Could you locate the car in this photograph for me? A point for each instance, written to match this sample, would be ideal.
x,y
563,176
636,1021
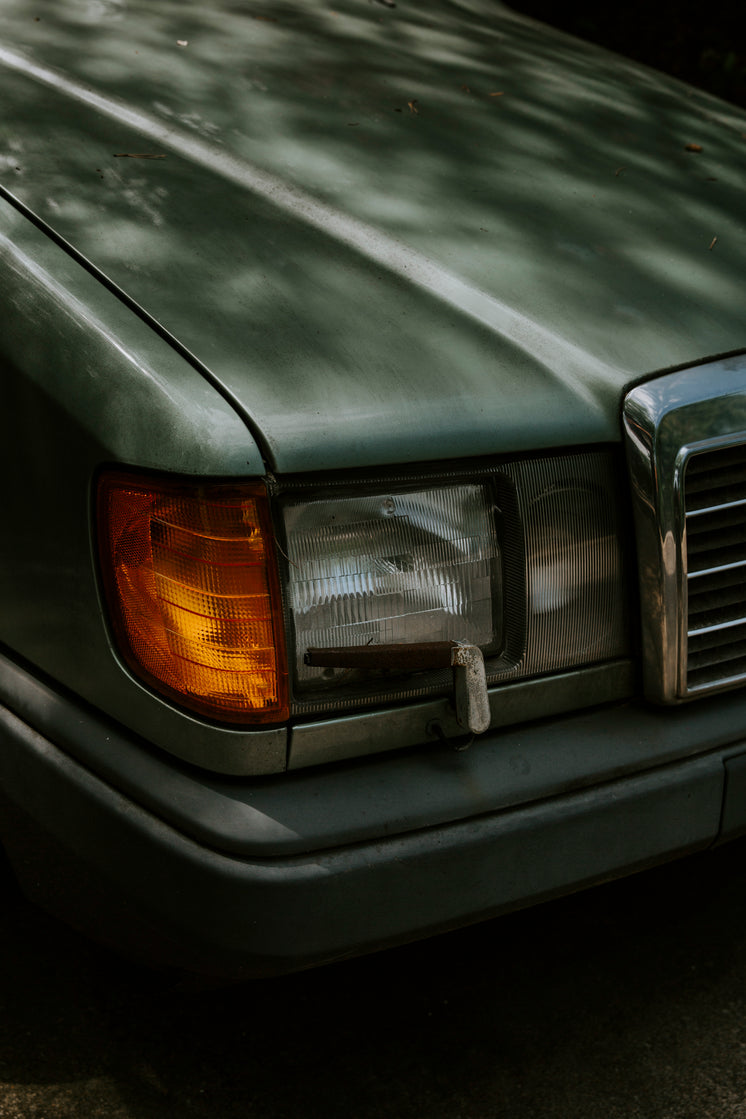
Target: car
x,y
374,445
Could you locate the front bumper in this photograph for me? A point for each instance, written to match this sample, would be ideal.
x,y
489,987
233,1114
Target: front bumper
x,y
247,878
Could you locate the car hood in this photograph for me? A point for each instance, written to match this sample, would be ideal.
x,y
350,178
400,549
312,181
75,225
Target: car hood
x,y
392,233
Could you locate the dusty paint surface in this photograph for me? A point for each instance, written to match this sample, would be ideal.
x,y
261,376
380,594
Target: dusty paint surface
x,y
391,234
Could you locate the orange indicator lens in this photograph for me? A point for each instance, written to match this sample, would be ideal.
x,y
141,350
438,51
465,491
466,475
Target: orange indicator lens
x,y
191,583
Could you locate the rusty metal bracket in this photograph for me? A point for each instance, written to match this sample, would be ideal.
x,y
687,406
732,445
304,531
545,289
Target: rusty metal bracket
x,y
469,676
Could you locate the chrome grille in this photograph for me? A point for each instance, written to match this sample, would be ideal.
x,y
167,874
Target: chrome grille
x,y
715,543
686,446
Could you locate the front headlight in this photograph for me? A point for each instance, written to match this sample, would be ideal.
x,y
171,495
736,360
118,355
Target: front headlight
x,y
523,559
390,568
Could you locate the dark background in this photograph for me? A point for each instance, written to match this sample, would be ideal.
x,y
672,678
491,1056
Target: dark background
x,y
702,43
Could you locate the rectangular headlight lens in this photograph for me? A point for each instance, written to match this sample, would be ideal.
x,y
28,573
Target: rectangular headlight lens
x,y
522,558
393,567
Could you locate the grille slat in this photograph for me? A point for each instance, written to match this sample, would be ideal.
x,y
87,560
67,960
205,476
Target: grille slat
x,y
720,622
719,570
721,582
704,560
715,513
716,538
716,639
702,659
707,509
712,611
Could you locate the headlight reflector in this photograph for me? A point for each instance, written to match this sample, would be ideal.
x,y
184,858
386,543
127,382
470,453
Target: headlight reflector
x,y
393,567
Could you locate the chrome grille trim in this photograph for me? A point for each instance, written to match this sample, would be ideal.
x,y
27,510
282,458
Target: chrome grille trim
x,y
686,448
715,543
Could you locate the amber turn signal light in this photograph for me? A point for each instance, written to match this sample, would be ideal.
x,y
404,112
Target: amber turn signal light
x,y
191,584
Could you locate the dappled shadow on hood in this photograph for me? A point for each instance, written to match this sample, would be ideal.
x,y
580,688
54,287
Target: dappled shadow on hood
x,y
362,211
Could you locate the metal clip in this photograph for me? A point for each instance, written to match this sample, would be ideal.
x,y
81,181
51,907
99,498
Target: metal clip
x,y
470,685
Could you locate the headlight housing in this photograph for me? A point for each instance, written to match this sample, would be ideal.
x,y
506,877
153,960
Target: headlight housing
x,y
523,559
207,585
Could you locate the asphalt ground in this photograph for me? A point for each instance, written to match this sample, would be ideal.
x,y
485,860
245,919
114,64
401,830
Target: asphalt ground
x,y
623,1002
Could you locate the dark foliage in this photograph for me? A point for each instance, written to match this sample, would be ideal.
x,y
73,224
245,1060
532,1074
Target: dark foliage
x,y
700,43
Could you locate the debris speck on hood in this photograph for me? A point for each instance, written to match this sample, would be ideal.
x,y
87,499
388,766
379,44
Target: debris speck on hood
x,y
413,106
182,42
498,93
692,147
137,155
713,242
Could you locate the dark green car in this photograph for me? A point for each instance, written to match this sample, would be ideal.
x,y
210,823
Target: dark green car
x,y
373,556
